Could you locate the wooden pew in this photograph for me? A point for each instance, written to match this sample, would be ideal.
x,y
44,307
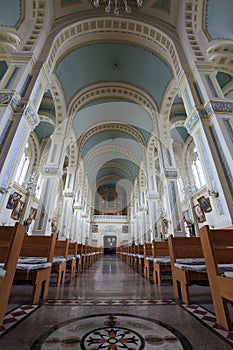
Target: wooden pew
x,y
161,260
130,255
11,239
217,246
71,258
140,257
79,261
60,259
135,258
187,264
35,263
148,259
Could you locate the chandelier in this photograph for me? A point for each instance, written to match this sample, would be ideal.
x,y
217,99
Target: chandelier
x,y
115,5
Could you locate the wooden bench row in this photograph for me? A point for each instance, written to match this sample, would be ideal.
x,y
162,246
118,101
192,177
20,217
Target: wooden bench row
x,y
146,258
204,260
32,259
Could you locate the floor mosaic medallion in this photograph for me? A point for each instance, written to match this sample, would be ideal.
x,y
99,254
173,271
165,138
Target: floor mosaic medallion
x,y
112,332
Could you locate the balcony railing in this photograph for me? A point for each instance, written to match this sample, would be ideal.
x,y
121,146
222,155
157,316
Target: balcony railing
x,y
110,217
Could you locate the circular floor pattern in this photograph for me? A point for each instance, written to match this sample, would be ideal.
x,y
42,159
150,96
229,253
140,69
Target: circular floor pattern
x,y
112,332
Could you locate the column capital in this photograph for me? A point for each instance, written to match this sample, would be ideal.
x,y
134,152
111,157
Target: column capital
x,y
23,108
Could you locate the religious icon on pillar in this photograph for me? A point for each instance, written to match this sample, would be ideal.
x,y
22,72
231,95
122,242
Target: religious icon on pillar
x,y
13,200
16,212
205,204
200,215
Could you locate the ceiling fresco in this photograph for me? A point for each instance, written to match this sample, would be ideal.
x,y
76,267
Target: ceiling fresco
x,y
164,5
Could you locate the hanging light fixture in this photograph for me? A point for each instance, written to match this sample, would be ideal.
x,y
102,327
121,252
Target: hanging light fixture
x,y
115,5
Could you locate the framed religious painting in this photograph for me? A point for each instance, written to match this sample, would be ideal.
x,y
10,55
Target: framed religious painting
x,y
124,228
17,211
32,213
94,228
200,215
205,204
13,200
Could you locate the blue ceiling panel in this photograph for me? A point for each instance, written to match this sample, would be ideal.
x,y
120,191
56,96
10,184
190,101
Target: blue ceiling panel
x,y
119,112
219,18
101,62
44,130
10,12
113,171
98,139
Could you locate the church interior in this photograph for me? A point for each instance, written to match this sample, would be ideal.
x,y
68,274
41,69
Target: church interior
x,y
116,174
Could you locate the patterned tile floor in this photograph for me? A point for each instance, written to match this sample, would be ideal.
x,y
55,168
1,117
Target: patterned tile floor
x,y
209,319
112,332
12,318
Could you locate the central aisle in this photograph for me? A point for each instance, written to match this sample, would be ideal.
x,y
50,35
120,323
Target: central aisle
x,y
109,278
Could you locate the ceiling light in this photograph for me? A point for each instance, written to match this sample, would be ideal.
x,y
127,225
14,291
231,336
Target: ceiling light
x,y
116,5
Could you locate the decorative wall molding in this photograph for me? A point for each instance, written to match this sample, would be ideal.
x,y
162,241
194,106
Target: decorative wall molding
x,y
110,148
118,90
192,121
116,127
39,9
191,17
31,117
52,171
171,174
114,25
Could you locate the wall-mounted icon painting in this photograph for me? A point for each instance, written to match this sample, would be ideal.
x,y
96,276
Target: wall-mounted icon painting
x,y
205,204
200,215
16,212
13,200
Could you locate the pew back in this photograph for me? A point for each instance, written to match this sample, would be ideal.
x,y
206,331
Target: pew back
x,y
39,276
61,247
184,247
11,239
189,273
38,246
217,248
73,248
160,249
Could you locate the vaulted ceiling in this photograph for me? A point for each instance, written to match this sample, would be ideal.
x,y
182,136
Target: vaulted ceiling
x,y
112,131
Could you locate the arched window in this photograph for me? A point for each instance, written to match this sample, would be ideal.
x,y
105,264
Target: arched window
x,y
22,169
198,173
